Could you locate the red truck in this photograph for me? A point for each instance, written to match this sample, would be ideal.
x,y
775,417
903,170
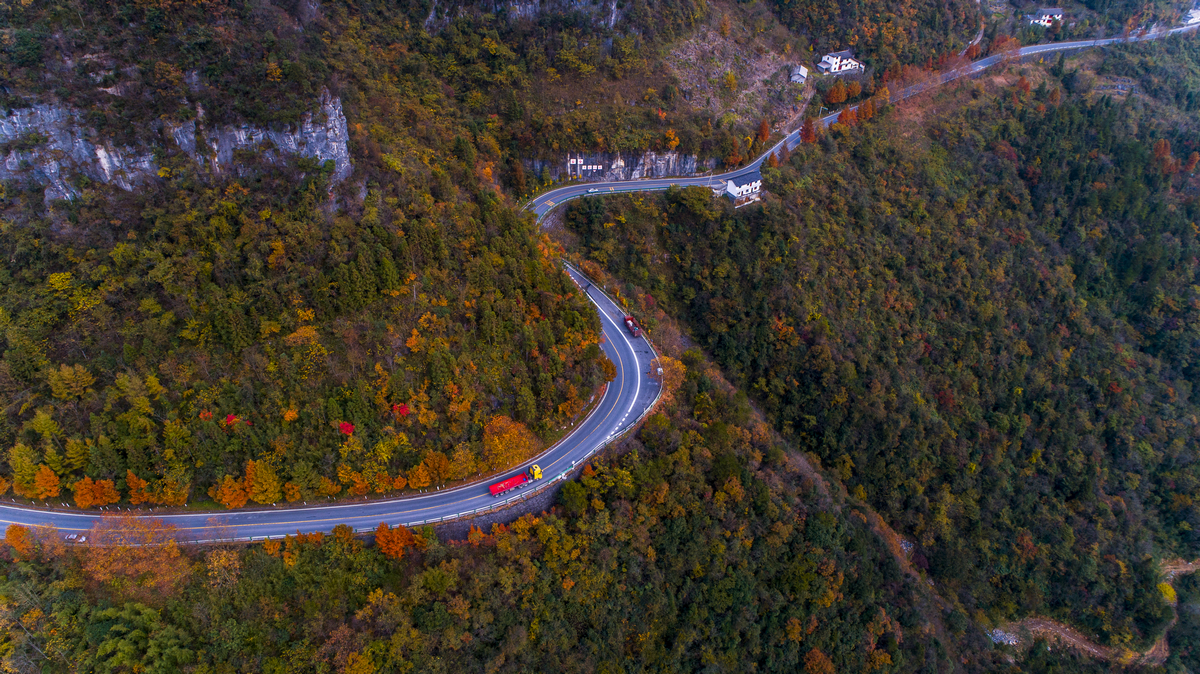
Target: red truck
x,y
517,481
632,324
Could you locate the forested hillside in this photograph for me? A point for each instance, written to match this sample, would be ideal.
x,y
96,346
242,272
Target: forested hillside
x,y
986,324
256,339
885,34
979,316
704,547
1185,637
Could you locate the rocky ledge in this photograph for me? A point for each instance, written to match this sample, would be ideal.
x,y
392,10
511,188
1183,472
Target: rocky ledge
x,y
51,145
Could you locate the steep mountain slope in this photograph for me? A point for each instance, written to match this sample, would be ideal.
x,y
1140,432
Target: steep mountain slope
x,y
986,324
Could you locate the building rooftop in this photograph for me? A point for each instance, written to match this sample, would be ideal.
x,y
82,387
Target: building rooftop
x,y
845,53
746,178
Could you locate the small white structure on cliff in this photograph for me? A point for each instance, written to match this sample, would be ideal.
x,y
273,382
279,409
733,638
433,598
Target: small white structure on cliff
x,y
577,167
743,189
1046,17
839,62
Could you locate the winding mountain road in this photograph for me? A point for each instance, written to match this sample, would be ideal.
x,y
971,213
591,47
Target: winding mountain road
x,y
625,399
548,201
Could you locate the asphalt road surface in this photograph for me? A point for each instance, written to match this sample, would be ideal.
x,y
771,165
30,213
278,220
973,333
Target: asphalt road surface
x,y
624,400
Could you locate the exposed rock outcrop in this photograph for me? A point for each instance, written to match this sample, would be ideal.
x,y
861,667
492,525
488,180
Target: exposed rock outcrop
x,y
51,145
605,166
322,136
605,13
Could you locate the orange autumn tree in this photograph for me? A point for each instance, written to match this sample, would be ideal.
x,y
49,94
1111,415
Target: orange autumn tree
x,y
817,662
45,483
138,492
135,558
93,493
229,492
20,539
808,134
866,110
837,94
393,541
507,442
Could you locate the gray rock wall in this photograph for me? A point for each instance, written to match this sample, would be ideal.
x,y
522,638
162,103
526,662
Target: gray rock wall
x,y
605,166
51,145
604,13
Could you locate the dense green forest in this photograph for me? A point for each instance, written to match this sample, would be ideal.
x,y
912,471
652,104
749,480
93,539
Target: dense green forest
x,y
986,325
884,34
1185,636
1169,72
702,548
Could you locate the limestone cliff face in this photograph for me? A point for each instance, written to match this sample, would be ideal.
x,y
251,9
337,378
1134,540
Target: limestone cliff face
x,y
604,13
605,166
52,146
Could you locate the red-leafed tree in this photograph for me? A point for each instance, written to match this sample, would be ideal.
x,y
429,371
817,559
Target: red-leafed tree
x,y
808,134
393,542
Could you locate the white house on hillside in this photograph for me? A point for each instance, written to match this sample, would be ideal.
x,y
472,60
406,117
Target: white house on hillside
x,y
1046,17
799,74
743,189
839,62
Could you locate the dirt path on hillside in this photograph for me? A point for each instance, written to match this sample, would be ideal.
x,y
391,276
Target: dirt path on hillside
x,y
1065,635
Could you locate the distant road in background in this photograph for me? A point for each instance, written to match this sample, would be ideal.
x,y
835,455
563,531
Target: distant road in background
x,y
547,202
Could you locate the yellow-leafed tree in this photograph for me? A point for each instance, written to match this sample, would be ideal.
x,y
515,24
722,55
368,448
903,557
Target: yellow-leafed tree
x,y
262,483
418,477
507,442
